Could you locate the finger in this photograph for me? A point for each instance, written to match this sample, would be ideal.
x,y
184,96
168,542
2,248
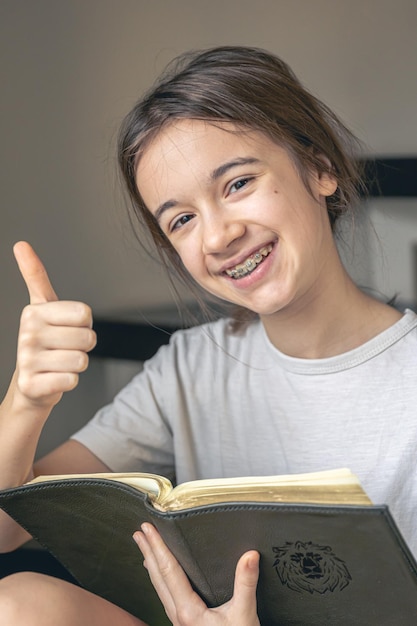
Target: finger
x,y
168,577
57,338
246,581
50,361
168,565
46,385
59,313
34,274
157,580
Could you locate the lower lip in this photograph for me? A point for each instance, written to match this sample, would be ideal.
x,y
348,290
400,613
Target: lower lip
x,y
258,274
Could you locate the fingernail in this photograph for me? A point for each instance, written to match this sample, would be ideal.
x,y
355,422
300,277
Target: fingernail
x,y
136,537
253,561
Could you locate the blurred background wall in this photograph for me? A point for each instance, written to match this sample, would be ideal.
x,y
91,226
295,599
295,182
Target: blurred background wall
x,y
71,69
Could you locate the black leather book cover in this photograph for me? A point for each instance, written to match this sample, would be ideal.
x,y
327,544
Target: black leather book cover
x,y
336,565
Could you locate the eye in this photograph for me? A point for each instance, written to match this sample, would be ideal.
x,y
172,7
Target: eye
x,y
181,221
239,184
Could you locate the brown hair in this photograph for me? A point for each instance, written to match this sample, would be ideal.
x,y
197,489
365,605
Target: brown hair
x,y
254,90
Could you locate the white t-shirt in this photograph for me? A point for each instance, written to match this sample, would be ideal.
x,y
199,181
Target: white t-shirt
x,y
216,404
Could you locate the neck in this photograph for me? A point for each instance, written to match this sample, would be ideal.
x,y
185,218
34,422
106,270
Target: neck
x,y
337,319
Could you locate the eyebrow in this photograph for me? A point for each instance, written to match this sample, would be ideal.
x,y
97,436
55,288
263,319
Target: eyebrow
x,y
217,173
164,207
225,167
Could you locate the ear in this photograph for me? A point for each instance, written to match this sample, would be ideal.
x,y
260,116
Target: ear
x,y
325,182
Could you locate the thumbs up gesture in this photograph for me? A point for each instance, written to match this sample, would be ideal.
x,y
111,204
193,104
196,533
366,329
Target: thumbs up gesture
x,y
54,337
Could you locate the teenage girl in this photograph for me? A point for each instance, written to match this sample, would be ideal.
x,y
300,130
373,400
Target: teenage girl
x,y
241,176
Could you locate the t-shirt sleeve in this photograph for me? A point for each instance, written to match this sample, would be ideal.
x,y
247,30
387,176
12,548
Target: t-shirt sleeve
x,y
133,433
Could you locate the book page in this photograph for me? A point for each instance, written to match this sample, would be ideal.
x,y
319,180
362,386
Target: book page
x,y
157,487
327,487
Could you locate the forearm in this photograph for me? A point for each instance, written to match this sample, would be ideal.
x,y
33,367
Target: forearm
x,y
20,428
21,424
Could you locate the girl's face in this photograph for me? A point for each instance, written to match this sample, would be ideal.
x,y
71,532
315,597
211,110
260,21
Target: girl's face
x,y
234,207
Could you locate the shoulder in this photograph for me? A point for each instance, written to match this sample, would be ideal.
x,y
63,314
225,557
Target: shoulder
x,y
405,330
405,336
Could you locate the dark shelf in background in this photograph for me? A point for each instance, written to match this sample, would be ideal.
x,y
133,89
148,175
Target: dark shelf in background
x,y
129,340
391,177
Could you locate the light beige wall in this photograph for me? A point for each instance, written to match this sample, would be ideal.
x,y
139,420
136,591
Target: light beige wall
x,y
72,68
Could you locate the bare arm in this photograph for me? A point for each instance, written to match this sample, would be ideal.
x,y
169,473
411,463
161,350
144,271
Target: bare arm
x,y
54,338
70,458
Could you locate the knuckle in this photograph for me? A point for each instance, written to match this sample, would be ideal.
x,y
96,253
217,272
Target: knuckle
x,y
26,344
72,381
92,339
84,313
82,362
165,569
58,383
25,384
29,315
85,340
25,360
185,614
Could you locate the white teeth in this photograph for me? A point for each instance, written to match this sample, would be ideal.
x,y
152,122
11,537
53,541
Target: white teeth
x,y
250,264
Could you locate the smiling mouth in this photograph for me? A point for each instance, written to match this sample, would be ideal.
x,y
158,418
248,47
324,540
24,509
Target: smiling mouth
x,y
250,264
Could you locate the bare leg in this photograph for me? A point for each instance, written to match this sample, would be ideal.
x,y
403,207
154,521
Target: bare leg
x,y
38,600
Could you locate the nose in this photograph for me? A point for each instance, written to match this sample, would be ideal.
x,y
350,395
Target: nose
x,y
220,231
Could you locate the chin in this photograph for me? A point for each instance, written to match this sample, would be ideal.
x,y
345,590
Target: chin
x,y
273,308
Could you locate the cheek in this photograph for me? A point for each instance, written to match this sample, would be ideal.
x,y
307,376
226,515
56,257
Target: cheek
x,y
190,258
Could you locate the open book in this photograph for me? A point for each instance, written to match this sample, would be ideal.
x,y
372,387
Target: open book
x,y
328,556
338,486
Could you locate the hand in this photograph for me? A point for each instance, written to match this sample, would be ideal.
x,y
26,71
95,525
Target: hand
x,y
183,606
54,336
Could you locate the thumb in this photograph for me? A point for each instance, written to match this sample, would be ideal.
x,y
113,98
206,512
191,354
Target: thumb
x,y
246,581
34,274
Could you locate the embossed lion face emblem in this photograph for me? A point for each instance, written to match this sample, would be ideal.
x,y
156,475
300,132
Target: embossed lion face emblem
x,y
307,567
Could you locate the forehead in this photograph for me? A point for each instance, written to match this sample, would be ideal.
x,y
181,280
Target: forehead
x,y
190,150
196,144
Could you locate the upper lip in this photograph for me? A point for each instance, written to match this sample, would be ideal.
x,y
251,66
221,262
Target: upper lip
x,y
231,263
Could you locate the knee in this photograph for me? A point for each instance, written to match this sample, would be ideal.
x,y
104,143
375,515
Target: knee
x,y
20,596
